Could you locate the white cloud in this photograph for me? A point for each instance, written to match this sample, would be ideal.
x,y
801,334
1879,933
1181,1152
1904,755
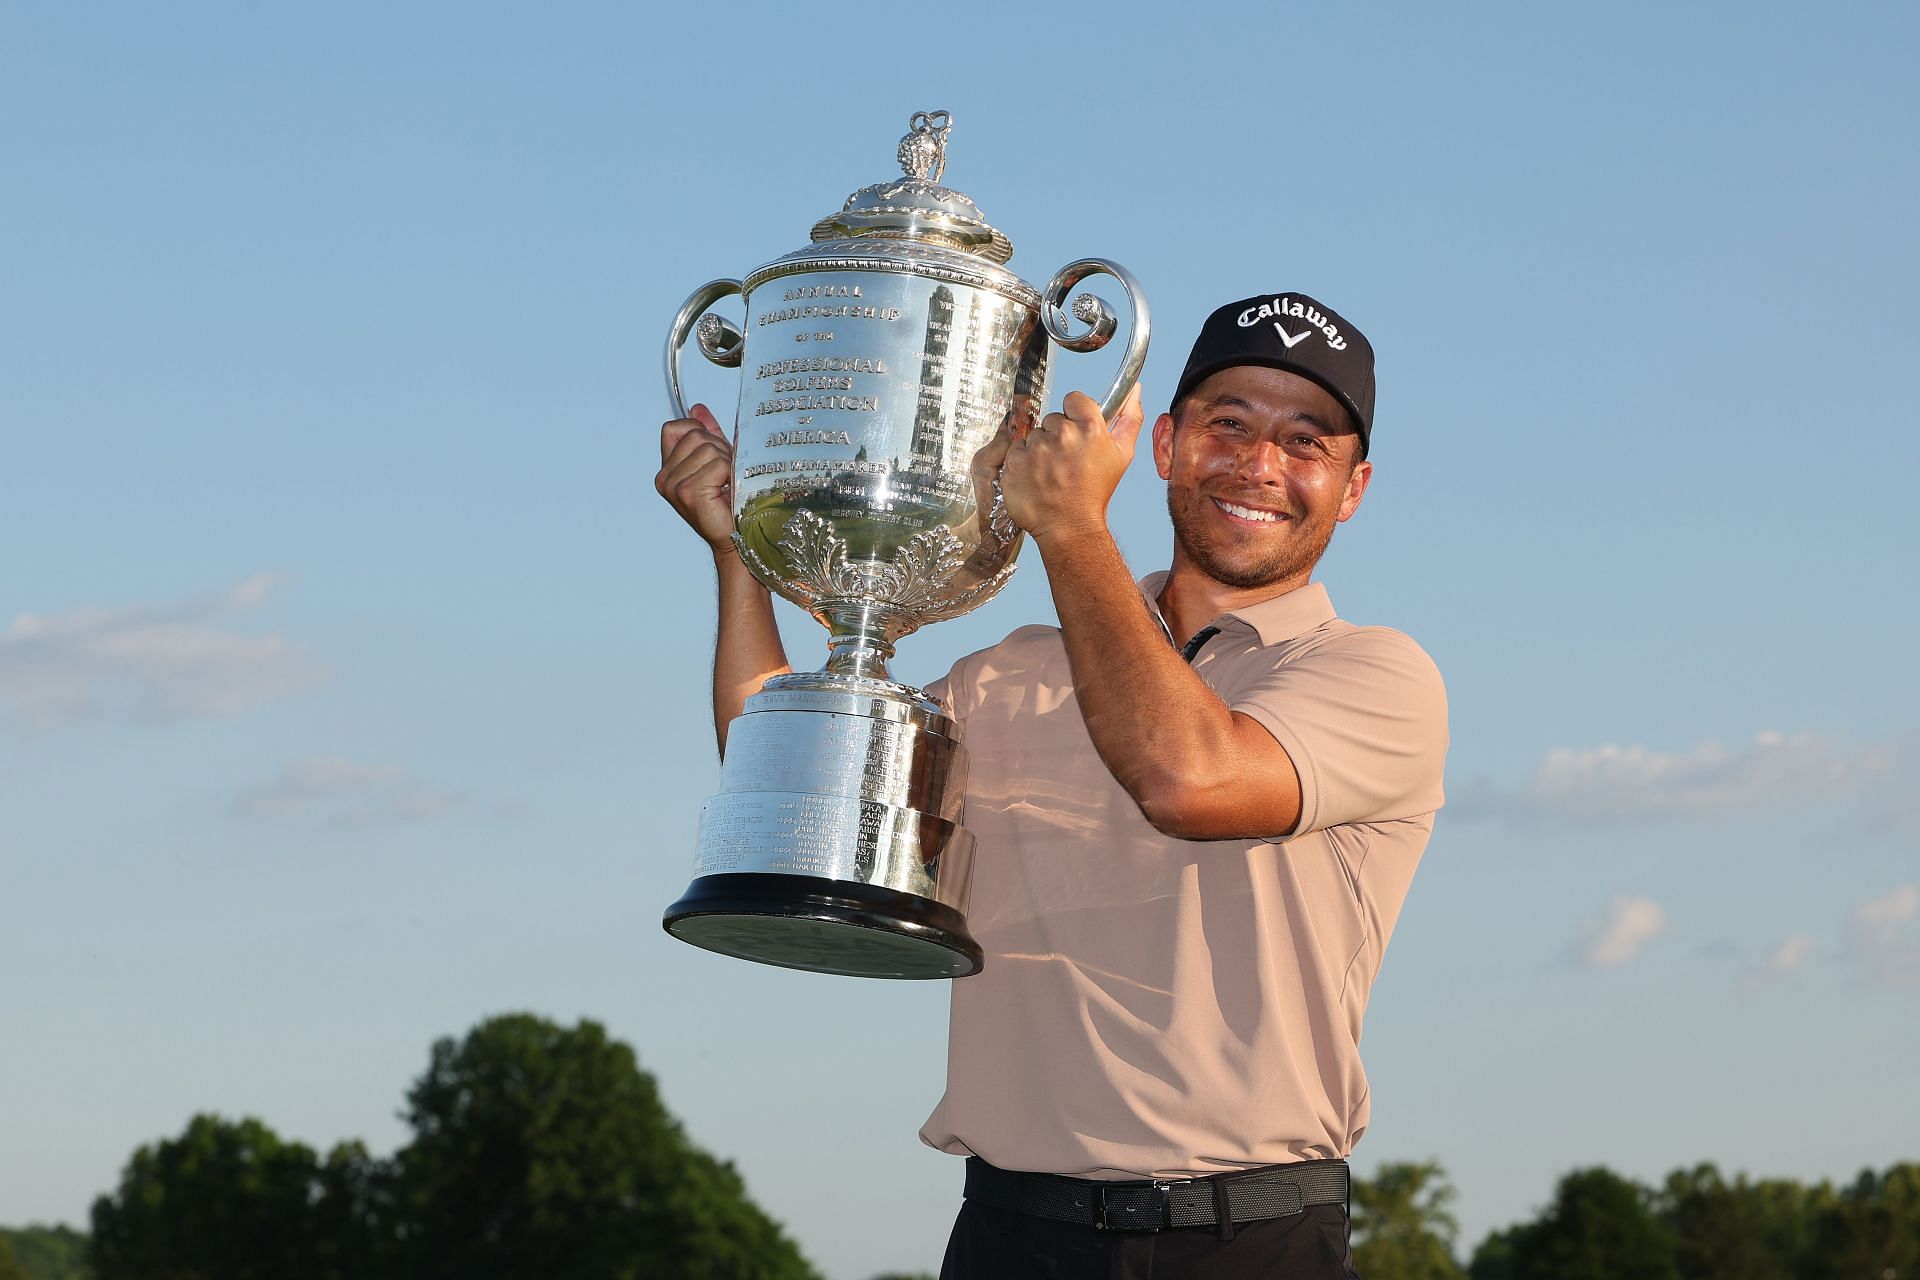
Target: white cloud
x,y
1790,954
1784,960
1883,917
1884,933
153,664
253,590
1624,782
350,795
1630,923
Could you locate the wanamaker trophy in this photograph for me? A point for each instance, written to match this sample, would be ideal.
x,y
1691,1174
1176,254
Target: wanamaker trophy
x,y
876,364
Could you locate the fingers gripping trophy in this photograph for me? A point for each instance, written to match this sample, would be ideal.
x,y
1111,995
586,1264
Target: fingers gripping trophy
x,y
878,366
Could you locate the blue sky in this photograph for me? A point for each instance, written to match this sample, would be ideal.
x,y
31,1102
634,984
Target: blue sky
x,y
352,676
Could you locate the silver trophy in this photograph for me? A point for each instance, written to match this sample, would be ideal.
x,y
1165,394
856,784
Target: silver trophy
x,y
876,364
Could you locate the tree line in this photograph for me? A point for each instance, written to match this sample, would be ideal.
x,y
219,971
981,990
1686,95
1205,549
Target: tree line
x,y
536,1150
540,1150
1697,1224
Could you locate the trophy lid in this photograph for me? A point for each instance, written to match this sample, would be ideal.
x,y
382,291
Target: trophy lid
x,y
916,207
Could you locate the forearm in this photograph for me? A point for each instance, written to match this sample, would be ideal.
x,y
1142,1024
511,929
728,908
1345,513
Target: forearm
x,y
1163,733
747,649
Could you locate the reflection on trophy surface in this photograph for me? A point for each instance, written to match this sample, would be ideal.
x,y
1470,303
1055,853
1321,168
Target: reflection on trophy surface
x,y
876,365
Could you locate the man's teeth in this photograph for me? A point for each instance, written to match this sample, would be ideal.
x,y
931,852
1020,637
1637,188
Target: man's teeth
x,y
1247,513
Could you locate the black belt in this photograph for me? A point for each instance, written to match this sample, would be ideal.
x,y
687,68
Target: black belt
x,y
1274,1191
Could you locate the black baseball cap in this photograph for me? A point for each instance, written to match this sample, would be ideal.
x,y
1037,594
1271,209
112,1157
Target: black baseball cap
x,y
1293,332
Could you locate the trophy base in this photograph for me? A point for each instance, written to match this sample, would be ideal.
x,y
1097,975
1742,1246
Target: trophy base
x,y
824,926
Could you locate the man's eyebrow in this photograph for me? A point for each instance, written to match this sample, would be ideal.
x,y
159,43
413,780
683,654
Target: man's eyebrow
x,y
1314,419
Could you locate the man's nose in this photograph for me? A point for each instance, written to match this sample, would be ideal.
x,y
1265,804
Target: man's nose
x,y
1262,460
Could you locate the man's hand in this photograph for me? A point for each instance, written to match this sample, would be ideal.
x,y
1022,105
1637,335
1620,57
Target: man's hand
x,y
696,476
1059,476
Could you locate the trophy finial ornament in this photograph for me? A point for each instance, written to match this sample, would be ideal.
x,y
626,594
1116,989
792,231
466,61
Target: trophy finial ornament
x,y
923,152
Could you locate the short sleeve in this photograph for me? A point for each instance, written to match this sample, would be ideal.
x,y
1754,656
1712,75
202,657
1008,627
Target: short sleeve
x,y
956,690
941,690
1363,717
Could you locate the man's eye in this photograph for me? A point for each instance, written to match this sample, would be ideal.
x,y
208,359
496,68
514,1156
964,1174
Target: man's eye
x,y
1227,424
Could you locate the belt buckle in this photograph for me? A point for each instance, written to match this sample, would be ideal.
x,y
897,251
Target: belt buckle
x,y
1160,1202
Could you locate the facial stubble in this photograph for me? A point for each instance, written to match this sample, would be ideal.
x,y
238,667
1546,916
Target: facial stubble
x,y
1294,555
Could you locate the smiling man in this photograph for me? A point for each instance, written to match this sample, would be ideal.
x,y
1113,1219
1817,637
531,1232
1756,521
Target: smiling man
x,y
1198,803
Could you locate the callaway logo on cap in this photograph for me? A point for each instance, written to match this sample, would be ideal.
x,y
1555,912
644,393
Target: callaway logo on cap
x,y
1293,332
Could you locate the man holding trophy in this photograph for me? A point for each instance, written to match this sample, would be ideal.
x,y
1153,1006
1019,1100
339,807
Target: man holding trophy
x,y
1160,847
1197,805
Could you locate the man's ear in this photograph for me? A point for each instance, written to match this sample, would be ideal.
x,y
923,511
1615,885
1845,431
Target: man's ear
x,y
1163,445
1357,481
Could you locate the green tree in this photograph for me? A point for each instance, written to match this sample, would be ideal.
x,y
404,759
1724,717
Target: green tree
x,y
1720,1230
544,1151
224,1201
1493,1259
48,1253
354,1227
1402,1227
10,1269
1872,1228
1786,1211
1599,1227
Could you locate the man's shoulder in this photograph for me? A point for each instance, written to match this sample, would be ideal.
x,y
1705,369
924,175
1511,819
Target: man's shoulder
x,y
1339,640
1347,672
1035,637
1023,647
1034,647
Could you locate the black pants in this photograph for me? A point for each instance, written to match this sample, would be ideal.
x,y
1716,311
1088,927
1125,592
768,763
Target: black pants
x,y
999,1244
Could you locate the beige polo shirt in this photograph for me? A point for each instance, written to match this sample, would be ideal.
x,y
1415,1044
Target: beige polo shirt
x,y
1157,1007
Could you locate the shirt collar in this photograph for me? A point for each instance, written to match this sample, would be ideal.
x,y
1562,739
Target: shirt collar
x,y
1283,617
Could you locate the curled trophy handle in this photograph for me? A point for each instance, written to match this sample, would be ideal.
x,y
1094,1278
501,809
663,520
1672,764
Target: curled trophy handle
x,y
1094,313
720,340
